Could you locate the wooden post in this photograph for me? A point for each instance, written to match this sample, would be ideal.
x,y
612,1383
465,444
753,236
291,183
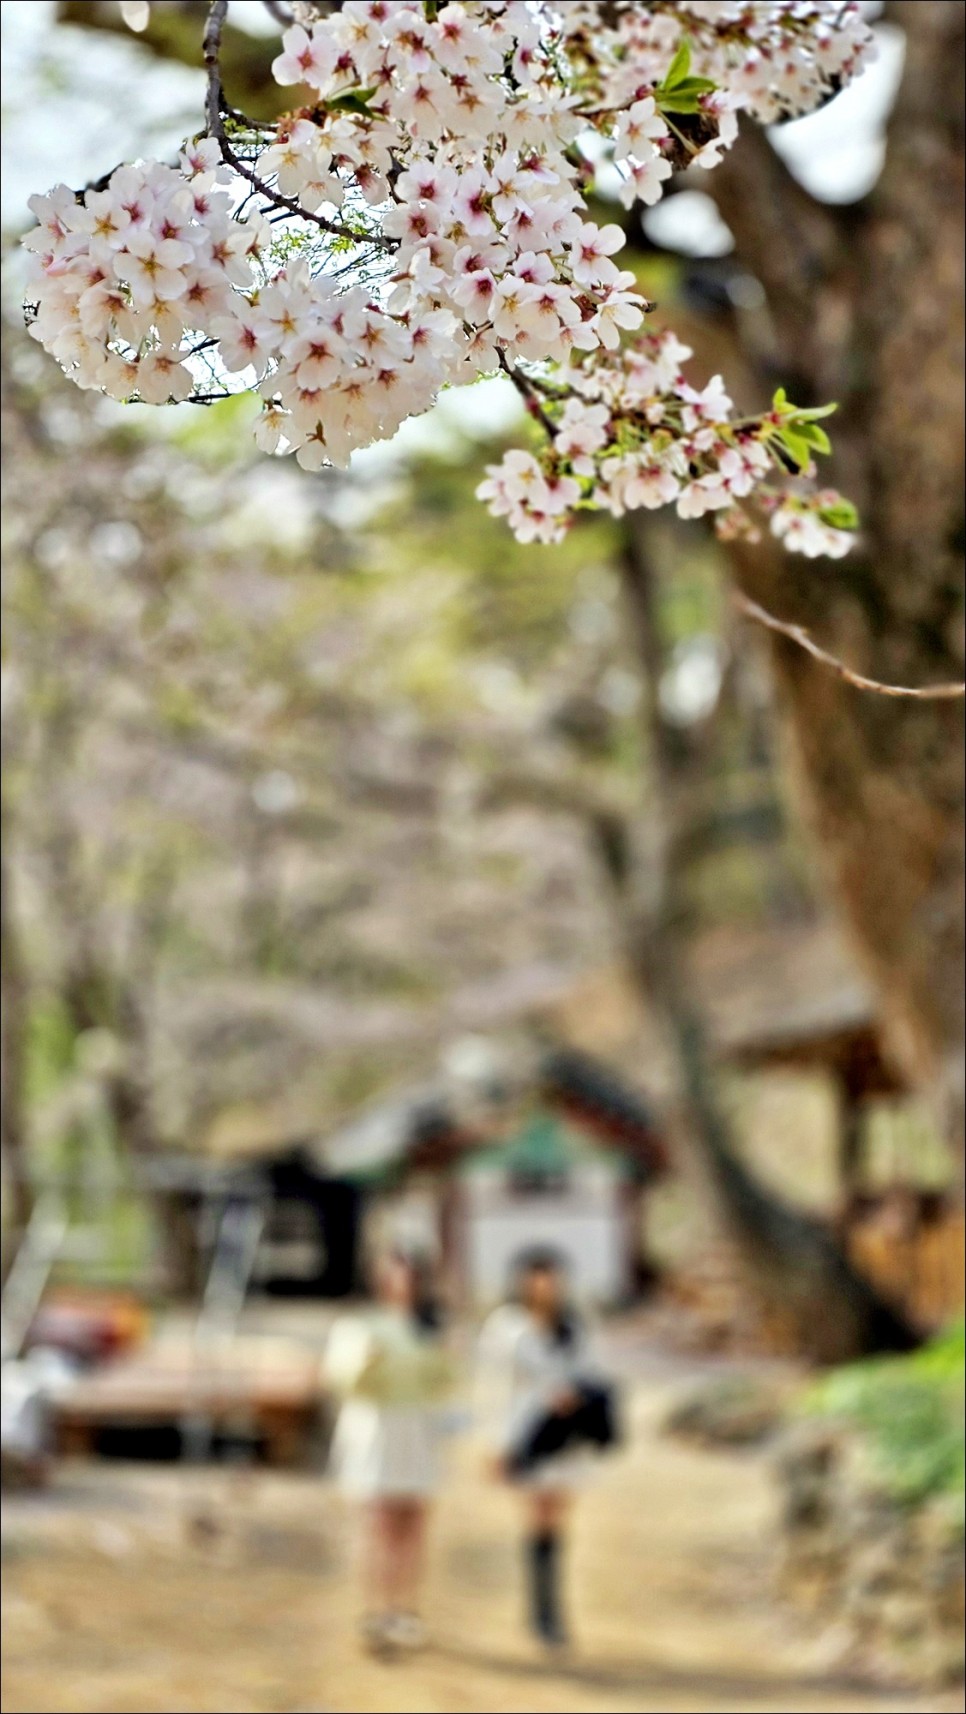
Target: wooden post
x,y
851,1139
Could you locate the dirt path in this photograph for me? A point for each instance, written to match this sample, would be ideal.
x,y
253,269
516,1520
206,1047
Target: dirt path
x,y
111,1605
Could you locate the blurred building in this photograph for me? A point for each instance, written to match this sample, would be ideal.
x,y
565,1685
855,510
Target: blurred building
x,y
561,1154
566,1164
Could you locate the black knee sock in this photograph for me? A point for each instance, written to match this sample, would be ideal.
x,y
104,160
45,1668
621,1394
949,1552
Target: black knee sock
x,y
543,1562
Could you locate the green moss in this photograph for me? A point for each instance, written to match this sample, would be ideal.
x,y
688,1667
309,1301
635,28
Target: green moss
x,y
910,1410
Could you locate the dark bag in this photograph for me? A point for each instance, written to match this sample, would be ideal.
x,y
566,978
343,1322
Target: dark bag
x,y
593,1422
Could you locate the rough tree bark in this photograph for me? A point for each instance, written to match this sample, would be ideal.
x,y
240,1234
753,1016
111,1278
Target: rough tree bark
x,y
793,1262
865,304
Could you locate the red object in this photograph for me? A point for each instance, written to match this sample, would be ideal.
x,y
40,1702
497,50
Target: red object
x,y
90,1327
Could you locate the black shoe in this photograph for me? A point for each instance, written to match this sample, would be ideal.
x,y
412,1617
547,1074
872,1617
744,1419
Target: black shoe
x,y
552,1633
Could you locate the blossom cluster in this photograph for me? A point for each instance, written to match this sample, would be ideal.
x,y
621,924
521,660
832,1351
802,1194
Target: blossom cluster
x,y
773,58
131,277
459,138
431,189
631,432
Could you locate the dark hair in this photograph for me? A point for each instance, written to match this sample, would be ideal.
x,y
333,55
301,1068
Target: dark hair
x,y
543,1259
427,1310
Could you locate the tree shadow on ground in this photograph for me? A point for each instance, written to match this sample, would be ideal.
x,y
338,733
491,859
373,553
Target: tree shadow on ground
x,y
656,1678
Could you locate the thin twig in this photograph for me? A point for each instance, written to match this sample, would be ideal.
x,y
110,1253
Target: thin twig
x,y
215,109
527,393
798,634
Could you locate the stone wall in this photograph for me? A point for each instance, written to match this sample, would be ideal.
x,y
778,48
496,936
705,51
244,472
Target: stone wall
x,y
883,1578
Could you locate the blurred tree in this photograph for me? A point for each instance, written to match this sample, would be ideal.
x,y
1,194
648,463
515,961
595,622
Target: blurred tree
x,y
244,782
863,302
794,1261
582,760
237,854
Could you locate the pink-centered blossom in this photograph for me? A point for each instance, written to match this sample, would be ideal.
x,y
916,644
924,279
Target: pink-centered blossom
x,y
433,226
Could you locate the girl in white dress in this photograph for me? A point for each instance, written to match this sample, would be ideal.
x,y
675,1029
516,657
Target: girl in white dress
x,y
534,1354
391,1369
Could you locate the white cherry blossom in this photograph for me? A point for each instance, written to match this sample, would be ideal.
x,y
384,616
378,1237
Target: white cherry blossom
x,y
307,57
429,224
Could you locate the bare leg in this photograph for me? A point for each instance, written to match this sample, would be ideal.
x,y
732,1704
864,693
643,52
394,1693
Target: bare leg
x,y
411,1549
395,1543
548,1509
379,1556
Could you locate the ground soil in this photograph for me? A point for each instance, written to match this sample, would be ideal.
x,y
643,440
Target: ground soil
x,y
155,1589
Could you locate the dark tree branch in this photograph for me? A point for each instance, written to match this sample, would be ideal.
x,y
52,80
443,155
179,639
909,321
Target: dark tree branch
x,y
211,52
215,112
528,393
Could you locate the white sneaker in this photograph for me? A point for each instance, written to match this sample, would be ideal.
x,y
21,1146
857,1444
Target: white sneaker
x,y
405,1631
374,1630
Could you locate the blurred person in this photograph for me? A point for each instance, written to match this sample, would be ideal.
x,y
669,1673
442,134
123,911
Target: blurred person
x,y
392,1371
545,1403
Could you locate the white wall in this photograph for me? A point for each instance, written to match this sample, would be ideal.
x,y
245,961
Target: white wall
x,y
410,1218
586,1225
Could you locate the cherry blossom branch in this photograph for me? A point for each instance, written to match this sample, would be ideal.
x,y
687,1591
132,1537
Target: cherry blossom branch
x,y
528,394
216,109
334,227
211,54
798,634
624,429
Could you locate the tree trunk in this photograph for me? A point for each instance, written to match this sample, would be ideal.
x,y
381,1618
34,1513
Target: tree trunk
x,y
865,304
792,1260
13,1042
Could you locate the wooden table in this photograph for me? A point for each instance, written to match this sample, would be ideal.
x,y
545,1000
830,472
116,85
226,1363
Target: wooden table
x,y
276,1403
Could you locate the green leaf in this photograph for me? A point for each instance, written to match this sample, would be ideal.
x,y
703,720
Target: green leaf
x,y
801,423
675,103
841,516
693,86
813,435
352,100
797,449
679,67
813,415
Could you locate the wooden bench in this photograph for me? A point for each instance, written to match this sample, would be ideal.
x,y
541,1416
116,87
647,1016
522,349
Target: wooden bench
x,y
276,1404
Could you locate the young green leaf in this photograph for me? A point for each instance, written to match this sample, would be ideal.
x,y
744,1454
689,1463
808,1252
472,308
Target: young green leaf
x,y
797,450
685,96
841,516
675,103
813,435
679,67
693,86
352,100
